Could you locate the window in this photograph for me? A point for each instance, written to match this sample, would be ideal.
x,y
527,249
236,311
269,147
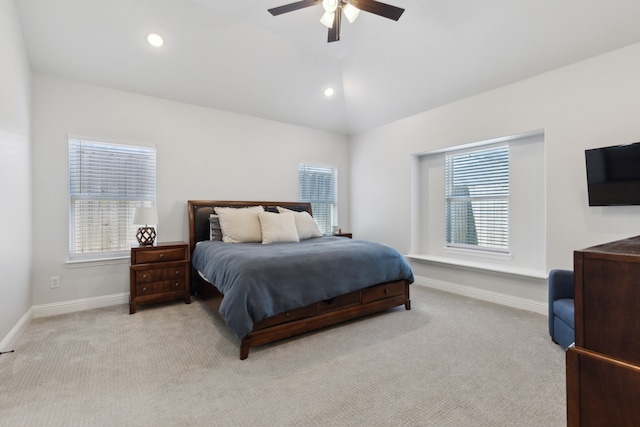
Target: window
x,y
106,183
318,185
516,222
477,199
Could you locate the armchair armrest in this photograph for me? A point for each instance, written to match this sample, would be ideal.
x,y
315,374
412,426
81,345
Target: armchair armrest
x,y
560,287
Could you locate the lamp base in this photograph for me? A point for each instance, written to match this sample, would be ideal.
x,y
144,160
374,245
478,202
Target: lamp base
x,y
146,236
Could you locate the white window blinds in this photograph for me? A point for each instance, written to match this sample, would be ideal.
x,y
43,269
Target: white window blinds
x,y
477,199
106,183
318,186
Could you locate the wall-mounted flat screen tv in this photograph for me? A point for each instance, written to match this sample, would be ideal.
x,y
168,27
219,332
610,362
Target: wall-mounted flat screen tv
x,y
613,175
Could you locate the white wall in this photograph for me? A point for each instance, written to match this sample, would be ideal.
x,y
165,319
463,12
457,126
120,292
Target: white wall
x,y
210,154
589,104
15,175
201,154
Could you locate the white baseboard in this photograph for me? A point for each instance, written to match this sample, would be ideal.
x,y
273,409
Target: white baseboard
x,y
16,331
53,309
65,307
44,310
484,295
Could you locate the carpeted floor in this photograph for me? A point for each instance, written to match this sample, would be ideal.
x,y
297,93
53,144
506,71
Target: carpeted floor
x,y
450,361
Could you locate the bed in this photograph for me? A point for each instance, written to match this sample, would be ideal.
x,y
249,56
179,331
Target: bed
x,y
254,287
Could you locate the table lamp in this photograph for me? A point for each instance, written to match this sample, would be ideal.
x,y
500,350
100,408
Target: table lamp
x,y
146,235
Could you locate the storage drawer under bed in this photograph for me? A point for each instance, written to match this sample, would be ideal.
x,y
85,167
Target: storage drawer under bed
x,y
363,296
385,290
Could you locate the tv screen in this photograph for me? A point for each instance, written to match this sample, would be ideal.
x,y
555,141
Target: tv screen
x,y
613,175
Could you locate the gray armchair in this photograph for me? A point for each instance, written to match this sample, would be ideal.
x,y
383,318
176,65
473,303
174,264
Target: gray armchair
x,y
561,307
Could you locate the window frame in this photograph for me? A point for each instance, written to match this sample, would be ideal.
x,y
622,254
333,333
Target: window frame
x,y
489,206
325,221
101,184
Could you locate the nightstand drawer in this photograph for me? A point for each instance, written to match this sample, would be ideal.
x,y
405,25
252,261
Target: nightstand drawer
x,y
160,255
148,275
143,289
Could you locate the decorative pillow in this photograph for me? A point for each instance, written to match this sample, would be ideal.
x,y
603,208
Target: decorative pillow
x,y
278,227
240,225
215,232
305,224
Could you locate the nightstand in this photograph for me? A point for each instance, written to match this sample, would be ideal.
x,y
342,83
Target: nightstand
x,y
159,273
349,235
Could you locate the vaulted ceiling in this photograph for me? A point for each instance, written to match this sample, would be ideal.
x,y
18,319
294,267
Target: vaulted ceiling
x,y
233,55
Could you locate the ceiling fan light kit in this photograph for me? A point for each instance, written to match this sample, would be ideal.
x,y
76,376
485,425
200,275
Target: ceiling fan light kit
x,y
351,12
327,19
330,5
333,10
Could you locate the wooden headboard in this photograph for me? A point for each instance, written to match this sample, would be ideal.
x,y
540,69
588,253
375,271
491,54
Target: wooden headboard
x,y
199,211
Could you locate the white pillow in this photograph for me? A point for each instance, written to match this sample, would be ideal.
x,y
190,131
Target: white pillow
x,y
305,224
278,227
240,225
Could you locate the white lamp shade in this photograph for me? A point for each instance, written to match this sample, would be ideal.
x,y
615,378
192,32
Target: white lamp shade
x,y
351,12
327,19
145,216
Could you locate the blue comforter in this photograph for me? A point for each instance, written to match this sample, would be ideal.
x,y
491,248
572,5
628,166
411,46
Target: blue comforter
x,y
259,281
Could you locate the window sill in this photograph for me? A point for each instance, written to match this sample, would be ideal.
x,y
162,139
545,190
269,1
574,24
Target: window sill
x,y
505,269
486,254
96,262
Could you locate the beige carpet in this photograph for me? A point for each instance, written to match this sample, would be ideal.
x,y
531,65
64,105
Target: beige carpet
x,y
450,361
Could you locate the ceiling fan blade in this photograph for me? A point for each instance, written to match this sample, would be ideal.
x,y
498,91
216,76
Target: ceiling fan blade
x,y
334,32
378,8
293,6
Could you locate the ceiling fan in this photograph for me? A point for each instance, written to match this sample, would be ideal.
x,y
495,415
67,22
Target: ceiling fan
x,y
333,10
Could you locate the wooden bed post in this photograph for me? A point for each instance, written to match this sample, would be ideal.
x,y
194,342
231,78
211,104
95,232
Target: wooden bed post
x,y
245,344
407,305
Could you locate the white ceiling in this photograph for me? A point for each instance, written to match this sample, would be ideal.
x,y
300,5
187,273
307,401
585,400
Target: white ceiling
x,y
233,55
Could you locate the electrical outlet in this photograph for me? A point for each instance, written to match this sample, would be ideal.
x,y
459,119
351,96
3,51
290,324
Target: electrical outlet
x,y
55,282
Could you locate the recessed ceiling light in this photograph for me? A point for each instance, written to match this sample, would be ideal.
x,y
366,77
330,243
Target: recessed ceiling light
x,y
329,92
155,40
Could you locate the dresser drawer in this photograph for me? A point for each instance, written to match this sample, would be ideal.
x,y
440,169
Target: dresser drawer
x,y
160,255
148,275
143,289
383,291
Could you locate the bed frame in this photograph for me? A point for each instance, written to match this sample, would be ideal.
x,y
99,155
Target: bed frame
x,y
315,316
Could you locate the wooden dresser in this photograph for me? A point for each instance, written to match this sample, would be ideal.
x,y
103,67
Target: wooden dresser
x,y
159,273
603,369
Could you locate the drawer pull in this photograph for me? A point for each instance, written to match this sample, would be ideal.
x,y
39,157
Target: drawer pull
x,y
177,272
386,291
144,289
161,256
144,276
178,285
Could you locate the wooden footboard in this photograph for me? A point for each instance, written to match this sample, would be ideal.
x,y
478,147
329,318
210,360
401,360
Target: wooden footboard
x,y
314,316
